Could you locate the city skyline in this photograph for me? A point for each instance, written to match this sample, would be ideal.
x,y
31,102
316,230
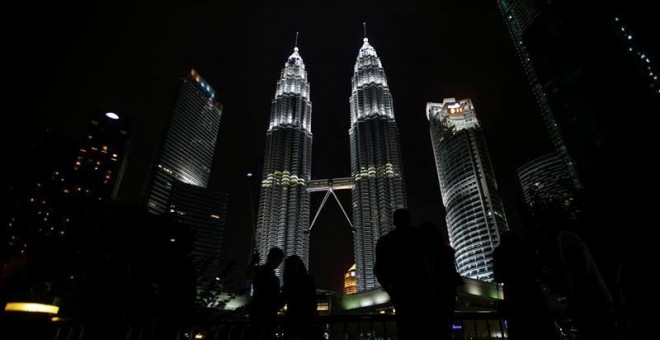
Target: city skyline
x,y
133,64
243,69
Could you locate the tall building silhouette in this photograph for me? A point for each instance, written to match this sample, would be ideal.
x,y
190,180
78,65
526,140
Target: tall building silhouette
x,y
592,66
376,163
179,180
204,212
283,218
586,65
186,154
475,214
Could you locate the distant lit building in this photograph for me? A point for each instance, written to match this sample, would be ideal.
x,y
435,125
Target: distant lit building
x,y
101,162
376,163
350,282
545,183
284,203
55,208
204,211
475,214
186,154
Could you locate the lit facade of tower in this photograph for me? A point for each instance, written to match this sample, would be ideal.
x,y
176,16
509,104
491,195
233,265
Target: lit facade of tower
x,y
187,152
283,219
375,162
475,214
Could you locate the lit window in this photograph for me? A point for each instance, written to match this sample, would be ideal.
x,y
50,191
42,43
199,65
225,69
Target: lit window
x,y
629,37
215,216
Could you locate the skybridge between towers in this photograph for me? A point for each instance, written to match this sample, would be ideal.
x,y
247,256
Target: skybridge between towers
x,y
329,186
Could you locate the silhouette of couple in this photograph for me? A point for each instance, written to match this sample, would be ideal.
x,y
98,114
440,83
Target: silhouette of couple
x,y
417,269
298,294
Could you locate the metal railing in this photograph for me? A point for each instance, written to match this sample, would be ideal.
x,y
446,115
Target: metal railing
x,y
465,326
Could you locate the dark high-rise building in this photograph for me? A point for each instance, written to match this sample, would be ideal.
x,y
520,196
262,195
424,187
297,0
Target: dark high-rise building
x,y
475,214
592,66
545,183
186,154
376,163
283,219
589,71
204,212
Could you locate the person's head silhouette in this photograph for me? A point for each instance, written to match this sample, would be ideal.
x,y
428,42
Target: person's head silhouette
x,y
275,257
401,218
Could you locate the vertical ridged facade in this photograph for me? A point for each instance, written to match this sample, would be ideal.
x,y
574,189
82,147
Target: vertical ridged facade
x,y
475,214
375,162
187,152
284,203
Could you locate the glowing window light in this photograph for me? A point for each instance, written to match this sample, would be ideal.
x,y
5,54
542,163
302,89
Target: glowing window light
x,y
31,307
112,115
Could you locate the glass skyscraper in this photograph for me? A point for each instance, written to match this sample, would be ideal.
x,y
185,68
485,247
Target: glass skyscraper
x,y
187,151
283,219
375,162
475,214
204,212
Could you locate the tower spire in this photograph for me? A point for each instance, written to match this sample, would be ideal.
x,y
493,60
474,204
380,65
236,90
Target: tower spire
x,y
295,45
364,28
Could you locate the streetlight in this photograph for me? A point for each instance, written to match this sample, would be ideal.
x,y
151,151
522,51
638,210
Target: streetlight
x,y
249,176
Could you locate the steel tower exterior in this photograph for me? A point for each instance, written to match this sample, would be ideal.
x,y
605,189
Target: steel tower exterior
x,y
284,203
376,163
475,214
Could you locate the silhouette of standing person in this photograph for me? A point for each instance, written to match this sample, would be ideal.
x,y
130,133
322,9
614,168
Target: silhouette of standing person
x,y
299,295
398,258
266,299
515,265
444,278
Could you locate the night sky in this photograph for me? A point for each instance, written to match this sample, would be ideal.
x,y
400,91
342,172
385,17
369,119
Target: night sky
x,y
67,63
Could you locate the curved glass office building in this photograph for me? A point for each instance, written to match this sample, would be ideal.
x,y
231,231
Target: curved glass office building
x,y
475,215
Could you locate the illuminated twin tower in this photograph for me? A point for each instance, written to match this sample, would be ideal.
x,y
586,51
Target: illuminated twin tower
x,y
376,172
